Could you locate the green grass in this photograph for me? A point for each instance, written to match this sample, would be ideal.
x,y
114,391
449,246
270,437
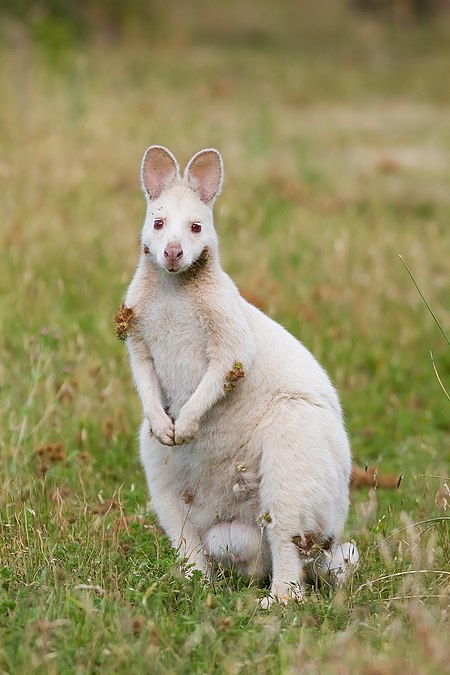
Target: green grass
x,y
336,157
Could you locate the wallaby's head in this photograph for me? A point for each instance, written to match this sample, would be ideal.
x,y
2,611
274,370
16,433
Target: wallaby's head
x,y
179,222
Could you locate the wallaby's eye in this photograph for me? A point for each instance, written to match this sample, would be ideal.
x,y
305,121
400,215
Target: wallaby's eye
x,y
158,224
196,227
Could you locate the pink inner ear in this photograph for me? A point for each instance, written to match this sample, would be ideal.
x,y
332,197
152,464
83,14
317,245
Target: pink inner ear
x,y
159,171
205,175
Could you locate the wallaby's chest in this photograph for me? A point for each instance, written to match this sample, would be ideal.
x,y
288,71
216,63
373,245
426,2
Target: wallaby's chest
x,y
177,344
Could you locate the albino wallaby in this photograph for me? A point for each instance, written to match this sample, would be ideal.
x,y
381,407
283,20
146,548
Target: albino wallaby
x,y
243,443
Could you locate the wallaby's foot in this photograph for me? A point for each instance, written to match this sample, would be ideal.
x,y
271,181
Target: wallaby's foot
x,y
189,567
266,603
344,561
186,429
283,593
163,428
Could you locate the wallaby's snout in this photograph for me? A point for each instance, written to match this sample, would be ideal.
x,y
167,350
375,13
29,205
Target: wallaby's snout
x,y
173,253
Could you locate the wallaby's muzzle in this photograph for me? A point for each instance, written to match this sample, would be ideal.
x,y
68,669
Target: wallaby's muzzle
x,y
173,254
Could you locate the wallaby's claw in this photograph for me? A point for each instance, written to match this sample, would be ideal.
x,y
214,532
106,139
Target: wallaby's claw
x,y
185,430
164,430
165,439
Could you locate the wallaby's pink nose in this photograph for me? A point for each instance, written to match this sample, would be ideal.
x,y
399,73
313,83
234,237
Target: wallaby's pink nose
x,y
173,253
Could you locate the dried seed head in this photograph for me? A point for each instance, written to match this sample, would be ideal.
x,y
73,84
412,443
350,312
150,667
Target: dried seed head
x,y
124,321
309,542
105,507
442,498
225,623
54,452
137,626
264,519
188,496
233,376
48,455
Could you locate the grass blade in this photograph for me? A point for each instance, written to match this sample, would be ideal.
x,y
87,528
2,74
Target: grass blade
x,y
424,300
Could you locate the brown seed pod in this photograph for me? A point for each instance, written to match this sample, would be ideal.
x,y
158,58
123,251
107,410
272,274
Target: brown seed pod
x,y
308,542
234,375
264,519
124,321
188,496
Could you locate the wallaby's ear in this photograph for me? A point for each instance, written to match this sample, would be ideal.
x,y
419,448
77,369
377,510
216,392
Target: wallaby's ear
x,y
159,170
204,174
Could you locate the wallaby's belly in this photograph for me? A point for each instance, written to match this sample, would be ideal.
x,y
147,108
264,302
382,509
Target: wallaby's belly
x,y
177,345
218,475
216,482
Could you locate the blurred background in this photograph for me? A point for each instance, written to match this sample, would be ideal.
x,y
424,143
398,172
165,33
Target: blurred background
x,y
54,23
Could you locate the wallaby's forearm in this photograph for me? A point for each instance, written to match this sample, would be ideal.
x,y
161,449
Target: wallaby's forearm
x,y
142,366
144,374
149,389
211,388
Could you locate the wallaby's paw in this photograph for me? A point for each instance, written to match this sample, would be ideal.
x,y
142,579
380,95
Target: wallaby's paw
x,y
344,561
189,569
266,603
163,429
185,430
283,596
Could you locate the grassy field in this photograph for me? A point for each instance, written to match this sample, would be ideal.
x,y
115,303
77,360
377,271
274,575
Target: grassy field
x,y
336,152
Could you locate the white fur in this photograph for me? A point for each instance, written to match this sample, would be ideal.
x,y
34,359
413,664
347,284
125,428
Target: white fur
x,y
234,475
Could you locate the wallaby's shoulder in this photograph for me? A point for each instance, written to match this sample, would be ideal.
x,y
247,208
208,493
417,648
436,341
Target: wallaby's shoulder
x,y
141,289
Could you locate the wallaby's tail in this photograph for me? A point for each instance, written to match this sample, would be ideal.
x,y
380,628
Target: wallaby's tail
x,y
369,477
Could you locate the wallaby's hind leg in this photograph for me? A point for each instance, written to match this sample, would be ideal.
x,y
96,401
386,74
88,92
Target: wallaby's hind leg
x,y
183,535
287,569
305,466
